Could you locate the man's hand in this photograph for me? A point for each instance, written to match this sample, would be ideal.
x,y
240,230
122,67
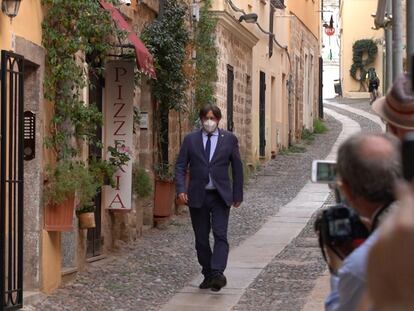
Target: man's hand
x,y
183,197
236,204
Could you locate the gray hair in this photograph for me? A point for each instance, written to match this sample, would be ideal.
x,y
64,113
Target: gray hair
x,y
370,175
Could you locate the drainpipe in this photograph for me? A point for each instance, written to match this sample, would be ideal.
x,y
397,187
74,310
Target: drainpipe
x,y
410,34
380,15
397,44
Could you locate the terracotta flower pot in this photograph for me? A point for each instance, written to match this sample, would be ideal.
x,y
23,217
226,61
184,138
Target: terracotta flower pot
x,y
87,220
163,198
59,217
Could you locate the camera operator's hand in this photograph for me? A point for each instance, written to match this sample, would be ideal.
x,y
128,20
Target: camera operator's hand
x,y
333,260
390,264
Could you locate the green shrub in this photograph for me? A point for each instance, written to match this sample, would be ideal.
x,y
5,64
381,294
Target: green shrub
x,y
141,182
292,149
297,149
319,126
307,135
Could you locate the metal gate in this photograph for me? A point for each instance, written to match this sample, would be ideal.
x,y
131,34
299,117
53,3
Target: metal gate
x,y
11,181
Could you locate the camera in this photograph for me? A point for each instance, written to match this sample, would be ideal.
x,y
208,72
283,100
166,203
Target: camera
x,y
323,171
338,225
126,2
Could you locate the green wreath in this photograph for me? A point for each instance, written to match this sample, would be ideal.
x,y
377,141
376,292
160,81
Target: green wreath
x,y
359,48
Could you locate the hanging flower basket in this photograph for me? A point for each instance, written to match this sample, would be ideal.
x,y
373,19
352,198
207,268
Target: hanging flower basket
x,y
86,215
87,220
59,217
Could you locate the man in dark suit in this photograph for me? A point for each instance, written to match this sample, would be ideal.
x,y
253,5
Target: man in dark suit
x,y
208,154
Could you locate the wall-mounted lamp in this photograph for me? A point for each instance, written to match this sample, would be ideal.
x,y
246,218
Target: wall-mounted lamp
x,y
10,7
278,4
248,18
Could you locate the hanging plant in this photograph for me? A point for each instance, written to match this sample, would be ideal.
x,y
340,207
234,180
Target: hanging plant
x,y
76,36
206,57
166,39
361,48
71,31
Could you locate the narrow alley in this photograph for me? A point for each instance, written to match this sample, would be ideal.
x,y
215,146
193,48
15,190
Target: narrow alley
x,y
162,155
274,262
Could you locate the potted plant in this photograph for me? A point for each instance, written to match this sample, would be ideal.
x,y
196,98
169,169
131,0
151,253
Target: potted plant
x,y
66,181
60,188
86,215
164,190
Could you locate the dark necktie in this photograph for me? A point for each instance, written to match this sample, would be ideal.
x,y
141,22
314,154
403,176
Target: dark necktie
x,y
208,147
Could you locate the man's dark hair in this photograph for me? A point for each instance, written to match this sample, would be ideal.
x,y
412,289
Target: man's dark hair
x,y
370,175
210,107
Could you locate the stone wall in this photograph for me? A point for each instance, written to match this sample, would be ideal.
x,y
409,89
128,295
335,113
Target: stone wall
x,y
33,178
302,42
231,51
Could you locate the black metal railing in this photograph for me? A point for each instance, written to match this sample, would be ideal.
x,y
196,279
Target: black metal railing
x,y
11,181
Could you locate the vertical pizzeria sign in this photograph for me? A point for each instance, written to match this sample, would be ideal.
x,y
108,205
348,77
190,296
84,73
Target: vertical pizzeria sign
x,y
119,96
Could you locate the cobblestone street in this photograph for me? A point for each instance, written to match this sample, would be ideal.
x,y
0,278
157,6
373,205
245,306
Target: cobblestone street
x,y
146,274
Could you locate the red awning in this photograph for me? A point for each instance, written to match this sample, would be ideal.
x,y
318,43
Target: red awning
x,y
145,60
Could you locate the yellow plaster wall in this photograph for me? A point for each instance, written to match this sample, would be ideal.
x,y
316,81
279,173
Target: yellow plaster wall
x,y
308,11
360,11
26,24
51,261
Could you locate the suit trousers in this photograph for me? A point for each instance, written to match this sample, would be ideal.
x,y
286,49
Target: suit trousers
x,y
214,214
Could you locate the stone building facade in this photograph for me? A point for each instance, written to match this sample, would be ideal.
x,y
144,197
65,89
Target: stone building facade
x,y
304,49
256,94
234,73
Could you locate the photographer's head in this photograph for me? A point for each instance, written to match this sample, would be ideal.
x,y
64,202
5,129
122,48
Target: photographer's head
x,y
367,167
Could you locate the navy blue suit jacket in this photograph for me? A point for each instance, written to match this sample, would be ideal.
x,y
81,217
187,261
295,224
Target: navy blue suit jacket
x,y
192,156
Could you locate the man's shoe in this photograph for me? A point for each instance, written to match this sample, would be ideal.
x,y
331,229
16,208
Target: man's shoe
x,y
218,282
206,283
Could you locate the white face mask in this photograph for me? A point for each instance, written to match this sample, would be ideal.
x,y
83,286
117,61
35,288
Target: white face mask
x,y
209,126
